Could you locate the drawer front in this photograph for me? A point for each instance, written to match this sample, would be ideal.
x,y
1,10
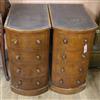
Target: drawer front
x,y
69,71
69,57
30,83
28,70
68,81
34,57
28,41
68,67
72,42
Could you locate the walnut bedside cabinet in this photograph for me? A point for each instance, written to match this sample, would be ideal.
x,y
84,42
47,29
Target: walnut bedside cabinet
x,y
73,33
27,28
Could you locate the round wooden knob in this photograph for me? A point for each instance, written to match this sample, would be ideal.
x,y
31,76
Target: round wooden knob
x,y
38,70
20,82
15,41
78,81
84,55
17,57
65,41
37,83
38,57
38,41
62,70
18,70
64,57
61,81
85,41
80,69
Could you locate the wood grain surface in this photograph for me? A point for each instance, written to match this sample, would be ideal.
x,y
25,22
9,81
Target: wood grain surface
x,y
92,91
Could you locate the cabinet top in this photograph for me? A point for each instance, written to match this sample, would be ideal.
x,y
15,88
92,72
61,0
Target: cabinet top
x,y
27,17
71,17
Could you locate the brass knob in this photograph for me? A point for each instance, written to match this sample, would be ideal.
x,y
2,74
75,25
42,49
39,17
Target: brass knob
x,y
38,70
98,31
20,82
38,83
61,81
15,41
65,41
18,70
38,41
78,81
38,57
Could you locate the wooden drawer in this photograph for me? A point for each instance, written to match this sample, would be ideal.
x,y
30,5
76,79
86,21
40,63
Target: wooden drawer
x,y
64,81
71,68
29,83
27,70
71,42
34,57
69,73
69,57
28,41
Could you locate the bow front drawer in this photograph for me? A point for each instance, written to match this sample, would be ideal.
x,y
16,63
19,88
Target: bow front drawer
x,y
71,41
29,83
29,70
30,41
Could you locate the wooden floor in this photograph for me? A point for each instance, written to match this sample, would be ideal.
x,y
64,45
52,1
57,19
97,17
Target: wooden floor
x,y
92,92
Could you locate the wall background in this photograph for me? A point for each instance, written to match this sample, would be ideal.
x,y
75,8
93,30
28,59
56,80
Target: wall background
x,y
92,6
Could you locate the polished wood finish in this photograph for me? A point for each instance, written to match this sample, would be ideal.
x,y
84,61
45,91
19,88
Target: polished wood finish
x,y
93,84
28,48
73,34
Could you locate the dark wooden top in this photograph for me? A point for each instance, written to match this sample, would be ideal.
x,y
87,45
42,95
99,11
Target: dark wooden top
x,y
28,17
70,16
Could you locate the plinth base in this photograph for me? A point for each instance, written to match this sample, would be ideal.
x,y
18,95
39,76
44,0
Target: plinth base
x,y
30,92
68,91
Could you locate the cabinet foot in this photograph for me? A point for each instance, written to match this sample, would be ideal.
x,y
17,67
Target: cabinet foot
x,y
30,92
68,91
